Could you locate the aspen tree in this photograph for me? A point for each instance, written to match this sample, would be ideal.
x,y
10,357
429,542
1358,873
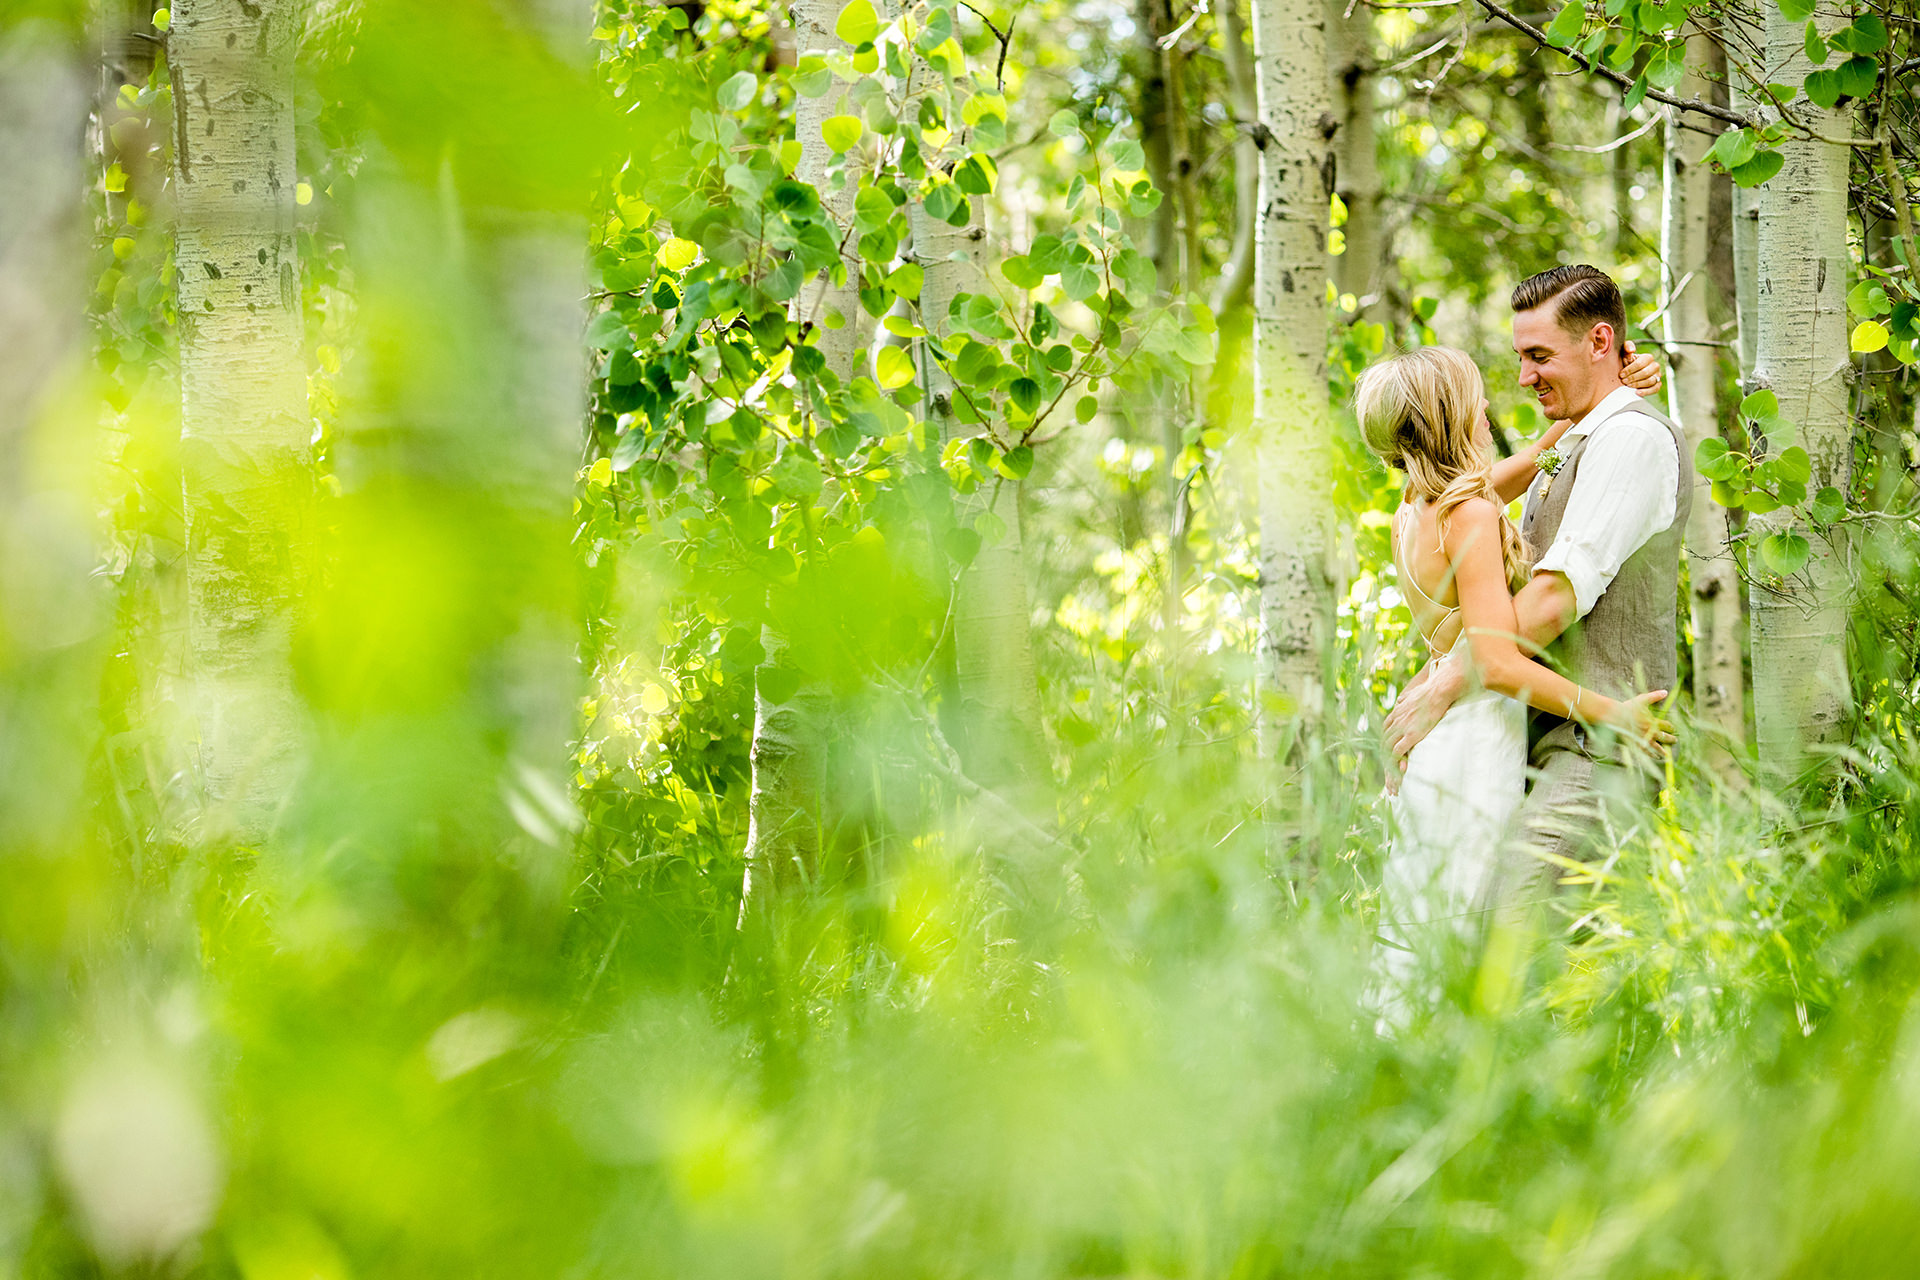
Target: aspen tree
x,y
1291,419
789,743
1718,682
1350,72
244,425
1801,356
1004,743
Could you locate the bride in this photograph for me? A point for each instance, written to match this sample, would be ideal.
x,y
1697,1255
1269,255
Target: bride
x,y
1459,559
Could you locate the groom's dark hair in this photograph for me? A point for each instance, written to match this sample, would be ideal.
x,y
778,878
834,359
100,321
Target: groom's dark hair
x,y
1587,296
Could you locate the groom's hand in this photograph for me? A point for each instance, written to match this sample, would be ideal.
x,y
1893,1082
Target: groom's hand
x,y
1419,709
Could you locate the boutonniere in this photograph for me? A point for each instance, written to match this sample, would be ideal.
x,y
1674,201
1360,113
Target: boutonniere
x,y
1550,461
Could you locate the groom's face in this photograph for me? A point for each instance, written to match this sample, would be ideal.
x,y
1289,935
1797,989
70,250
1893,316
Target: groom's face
x,y
1559,368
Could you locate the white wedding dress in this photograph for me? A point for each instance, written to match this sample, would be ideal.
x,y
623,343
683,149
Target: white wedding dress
x,y
1455,807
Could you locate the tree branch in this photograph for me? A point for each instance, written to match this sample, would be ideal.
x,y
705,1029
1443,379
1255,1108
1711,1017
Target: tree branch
x,y
1626,82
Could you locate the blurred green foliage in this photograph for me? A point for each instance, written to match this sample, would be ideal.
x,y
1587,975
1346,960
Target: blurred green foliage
x,y
481,1006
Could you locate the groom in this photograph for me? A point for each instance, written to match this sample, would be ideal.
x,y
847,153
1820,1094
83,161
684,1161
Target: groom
x,y
1605,529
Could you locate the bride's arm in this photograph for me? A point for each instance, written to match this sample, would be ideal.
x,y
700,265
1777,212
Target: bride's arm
x,y
1511,476
1486,611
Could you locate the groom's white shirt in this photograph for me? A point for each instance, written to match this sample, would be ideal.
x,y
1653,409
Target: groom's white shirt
x,y
1628,491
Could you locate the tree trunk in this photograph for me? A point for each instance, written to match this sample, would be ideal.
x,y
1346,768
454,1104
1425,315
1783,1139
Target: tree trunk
x,y
244,425
1718,687
1800,621
1292,438
1350,71
789,736
1003,740
1243,101
1166,133
1620,176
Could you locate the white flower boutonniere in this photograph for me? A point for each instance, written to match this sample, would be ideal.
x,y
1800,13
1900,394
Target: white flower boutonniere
x,y
1550,461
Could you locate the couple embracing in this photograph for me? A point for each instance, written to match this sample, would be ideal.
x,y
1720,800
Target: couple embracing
x,y
1525,739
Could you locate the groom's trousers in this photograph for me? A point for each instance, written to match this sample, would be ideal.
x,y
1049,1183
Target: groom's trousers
x,y
1581,807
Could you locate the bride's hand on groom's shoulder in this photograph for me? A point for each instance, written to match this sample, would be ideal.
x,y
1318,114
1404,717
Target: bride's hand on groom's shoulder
x,y
1639,370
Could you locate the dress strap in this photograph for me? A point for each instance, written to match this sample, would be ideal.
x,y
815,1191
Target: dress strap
x,y
1408,577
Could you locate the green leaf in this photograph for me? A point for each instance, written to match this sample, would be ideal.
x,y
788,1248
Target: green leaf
x,y
739,90
812,77
1828,505
893,368
1127,155
1794,465
962,545
775,684
1761,404
942,200
1759,169
841,132
1020,272
977,176
162,19
1728,493
1858,76
1868,298
1733,148
1064,124
1425,307
1085,407
906,280
1823,87
1796,10
1018,461
1667,67
938,31
1079,281
857,24
1869,335
1816,47
1635,95
1048,254
1785,553
1566,24
1867,35
627,450
1724,467
1759,501
1024,392
608,332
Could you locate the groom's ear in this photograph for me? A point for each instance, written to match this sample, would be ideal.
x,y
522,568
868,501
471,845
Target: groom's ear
x,y
1600,340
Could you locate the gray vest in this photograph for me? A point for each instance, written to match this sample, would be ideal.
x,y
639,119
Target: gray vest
x,y
1629,641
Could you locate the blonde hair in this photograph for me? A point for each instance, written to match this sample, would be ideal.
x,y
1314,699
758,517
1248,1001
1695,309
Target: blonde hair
x,y
1417,413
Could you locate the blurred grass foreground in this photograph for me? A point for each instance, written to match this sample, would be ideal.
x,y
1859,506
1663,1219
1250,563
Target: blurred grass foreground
x,y
409,942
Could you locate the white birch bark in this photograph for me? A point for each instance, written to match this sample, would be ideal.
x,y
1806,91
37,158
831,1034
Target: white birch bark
x,y
244,425
1004,745
1800,622
834,307
1292,440
1718,684
1357,173
788,750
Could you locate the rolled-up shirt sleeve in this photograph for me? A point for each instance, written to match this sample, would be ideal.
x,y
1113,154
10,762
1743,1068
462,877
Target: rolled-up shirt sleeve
x,y
1625,492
